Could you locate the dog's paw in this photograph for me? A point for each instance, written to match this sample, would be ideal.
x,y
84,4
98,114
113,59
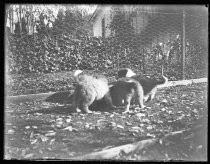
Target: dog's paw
x,y
128,111
78,110
88,111
139,108
142,107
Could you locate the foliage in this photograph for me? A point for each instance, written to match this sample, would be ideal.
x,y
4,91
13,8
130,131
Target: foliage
x,y
121,27
44,54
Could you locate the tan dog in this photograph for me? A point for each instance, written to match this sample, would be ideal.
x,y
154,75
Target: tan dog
x,y
88,89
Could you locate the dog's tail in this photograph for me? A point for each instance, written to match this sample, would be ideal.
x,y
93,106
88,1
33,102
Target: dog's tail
x,y
76,77
162,81
77,72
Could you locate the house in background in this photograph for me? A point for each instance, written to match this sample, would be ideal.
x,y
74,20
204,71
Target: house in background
x,y
153,23
101,19
103,16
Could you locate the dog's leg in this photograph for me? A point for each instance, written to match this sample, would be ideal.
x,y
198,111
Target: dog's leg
x,y
140,95
140,102
85,108
108,99
127,102
87,99
76,101
151,95
147,98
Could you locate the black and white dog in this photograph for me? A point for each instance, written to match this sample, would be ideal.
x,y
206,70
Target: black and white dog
x,y
145,90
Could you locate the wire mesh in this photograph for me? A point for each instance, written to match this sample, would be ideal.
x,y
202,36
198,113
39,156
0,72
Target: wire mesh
x,y
143,38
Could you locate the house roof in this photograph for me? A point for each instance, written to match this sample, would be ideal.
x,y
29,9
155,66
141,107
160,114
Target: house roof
x,y
95,13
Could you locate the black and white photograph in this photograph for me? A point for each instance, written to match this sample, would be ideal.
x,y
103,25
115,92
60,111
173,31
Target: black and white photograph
x,y
95,82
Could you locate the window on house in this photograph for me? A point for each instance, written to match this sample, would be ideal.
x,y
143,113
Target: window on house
x,y
103,27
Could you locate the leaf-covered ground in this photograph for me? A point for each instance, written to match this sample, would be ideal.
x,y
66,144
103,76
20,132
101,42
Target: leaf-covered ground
x,y
35,83
41,130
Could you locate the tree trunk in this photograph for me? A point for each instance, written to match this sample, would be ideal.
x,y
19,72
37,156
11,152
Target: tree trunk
x,y
31,27
12,20
20,22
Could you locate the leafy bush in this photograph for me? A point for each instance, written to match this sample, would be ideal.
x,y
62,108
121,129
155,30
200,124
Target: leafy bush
x,y
31,58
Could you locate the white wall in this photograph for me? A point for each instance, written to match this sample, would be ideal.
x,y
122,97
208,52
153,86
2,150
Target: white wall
x,y
97,26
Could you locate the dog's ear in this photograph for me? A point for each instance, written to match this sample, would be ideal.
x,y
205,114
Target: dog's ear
x,y
130,73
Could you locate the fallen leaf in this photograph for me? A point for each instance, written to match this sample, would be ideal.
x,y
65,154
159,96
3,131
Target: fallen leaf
x,y
59,123
198,148
134,134
112,123
180,112
50,134
160,121
164,100
136,128
59,119
189,136
128,123
38,114
161,141
141,125
149,127
181,117
140,115
43,138
35,127
69,128
74,129
51,141
32,134
120,126
150,135
170,112
33,141
97,113
82,118
23,152
163,109
28,156
112,115
68,120
100,120
87,126
148,107
10,131
145,120
27,127
195,110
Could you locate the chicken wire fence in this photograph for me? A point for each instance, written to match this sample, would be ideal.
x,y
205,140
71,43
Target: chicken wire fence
x,y
143,40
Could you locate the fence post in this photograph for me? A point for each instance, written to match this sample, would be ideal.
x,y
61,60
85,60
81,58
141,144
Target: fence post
x,y
183,44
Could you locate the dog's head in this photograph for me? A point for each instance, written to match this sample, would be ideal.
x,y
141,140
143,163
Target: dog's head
x,y
125,72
